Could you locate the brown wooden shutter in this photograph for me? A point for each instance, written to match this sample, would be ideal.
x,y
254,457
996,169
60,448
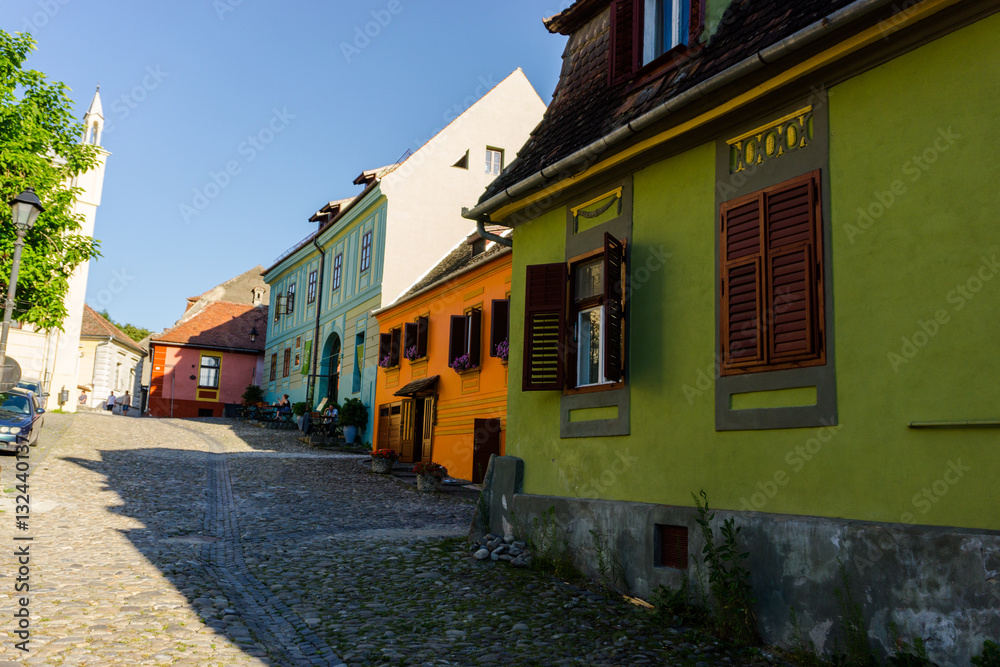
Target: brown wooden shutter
x,y
614,267
421,337
625,45
544,327
742,302
475,337
456,343
384,346
409,335
394,347
499,323
791,272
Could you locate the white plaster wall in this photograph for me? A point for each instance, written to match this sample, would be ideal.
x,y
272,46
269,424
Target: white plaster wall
x,y
426,193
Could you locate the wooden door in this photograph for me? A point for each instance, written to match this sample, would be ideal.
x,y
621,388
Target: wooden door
x,y
427,434
388,426
406,431
485,443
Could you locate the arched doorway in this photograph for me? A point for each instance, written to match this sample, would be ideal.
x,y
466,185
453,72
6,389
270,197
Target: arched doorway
x,y
329,369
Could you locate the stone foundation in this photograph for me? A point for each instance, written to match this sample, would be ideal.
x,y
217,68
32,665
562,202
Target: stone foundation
x,y
942,584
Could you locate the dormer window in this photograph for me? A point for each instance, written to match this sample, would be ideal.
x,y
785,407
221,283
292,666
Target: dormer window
x,y
665,26
651,33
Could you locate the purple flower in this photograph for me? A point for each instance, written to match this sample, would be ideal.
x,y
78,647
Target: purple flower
x,y
410,352
502,350
463,363
385,362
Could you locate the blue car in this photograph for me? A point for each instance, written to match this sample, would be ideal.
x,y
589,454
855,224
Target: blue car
x,y
20,419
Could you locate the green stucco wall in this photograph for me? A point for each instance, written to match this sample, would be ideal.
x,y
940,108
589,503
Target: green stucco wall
x,y
898,278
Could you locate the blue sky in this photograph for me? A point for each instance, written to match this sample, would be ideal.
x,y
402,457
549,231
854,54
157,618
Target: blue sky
x,y
299,96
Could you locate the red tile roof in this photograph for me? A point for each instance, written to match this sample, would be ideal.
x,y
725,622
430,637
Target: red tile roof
x,y
95,325
222,324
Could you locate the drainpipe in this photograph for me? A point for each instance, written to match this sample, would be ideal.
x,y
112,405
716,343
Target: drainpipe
x,y
582,159
311,385
481,229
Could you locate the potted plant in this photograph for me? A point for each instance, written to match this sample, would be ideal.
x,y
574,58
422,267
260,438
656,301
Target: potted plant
x,y
383,460
385,362
411,353
353,415
502,350
429,475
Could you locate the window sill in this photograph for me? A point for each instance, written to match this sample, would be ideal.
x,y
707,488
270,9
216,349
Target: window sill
x,y
593,388
663,64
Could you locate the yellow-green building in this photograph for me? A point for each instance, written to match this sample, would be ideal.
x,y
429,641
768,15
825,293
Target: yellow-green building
x,y
755,251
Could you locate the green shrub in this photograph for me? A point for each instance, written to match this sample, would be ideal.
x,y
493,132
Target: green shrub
x,y
300,408
990,656
253,395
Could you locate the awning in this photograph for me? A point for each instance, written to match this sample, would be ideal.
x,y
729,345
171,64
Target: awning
x,y
419,386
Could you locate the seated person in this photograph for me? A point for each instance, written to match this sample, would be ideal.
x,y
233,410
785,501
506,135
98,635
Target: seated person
x,y
284,407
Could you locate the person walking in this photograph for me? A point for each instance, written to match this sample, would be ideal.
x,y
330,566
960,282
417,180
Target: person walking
x,y
109,404
126,403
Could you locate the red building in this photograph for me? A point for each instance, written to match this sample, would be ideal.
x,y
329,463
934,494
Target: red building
x,y
207,361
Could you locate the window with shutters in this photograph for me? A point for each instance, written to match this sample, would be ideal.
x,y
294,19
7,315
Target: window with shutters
x,y
499,328
772,310
388,348
274,366
465,340
415,339
652,35
286,363
290,300
574,322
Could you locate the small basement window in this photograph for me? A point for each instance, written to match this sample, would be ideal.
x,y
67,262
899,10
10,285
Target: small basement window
x,y
672,543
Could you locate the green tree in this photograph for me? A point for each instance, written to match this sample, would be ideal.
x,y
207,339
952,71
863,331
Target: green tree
x,y
134,332
40,147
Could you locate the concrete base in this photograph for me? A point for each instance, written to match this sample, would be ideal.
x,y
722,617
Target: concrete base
x,y
941,584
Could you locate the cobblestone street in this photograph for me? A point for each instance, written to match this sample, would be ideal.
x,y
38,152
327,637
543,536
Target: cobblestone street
x,y
217,543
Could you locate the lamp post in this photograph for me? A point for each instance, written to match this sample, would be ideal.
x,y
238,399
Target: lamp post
x,y
24,209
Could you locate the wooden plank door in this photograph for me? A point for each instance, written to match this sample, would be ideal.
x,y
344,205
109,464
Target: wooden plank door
x,y
485,443
406,430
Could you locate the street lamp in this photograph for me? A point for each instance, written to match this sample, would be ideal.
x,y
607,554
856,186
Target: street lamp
x,y
253,334
24,210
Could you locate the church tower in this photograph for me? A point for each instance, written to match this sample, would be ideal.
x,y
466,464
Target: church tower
x,y
62,356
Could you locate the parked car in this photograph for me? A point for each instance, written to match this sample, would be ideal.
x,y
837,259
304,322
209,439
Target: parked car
x,y
33,385
21,418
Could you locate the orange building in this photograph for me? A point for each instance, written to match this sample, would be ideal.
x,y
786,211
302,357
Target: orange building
x,y
441,393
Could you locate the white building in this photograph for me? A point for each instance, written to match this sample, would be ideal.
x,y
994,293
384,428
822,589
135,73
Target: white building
x,y
53,356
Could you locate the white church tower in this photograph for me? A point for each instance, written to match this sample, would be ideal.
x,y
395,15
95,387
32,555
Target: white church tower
x,y
53,356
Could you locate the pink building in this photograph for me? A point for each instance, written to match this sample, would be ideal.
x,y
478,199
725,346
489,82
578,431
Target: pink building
x,y
207,361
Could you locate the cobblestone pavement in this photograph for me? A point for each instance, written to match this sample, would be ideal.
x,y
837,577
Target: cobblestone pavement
x,y
182,542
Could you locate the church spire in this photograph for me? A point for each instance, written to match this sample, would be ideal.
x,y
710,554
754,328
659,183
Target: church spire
x,y
94,120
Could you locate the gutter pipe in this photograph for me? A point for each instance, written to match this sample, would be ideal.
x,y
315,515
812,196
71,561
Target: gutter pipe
x,y
586,156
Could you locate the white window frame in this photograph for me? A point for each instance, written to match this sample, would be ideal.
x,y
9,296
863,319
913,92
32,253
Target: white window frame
x,y
494,160
580,349
654,43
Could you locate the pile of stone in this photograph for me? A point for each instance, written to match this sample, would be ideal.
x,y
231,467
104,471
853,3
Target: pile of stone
x,y
497,548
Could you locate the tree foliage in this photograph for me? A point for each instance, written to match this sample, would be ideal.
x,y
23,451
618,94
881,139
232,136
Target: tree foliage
x,y
134,332
40,147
